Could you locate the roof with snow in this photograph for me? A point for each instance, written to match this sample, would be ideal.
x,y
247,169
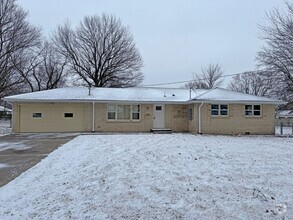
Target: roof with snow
x,y
285,113
4,109
139,94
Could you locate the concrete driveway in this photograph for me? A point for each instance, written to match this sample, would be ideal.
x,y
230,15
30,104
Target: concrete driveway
x,y
19,152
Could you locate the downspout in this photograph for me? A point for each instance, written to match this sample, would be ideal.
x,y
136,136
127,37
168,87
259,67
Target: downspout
x,y
199,118
93,123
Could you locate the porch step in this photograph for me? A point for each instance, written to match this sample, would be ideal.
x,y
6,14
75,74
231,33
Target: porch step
x,y
161,130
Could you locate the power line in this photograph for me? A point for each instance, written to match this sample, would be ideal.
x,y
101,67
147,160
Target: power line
x,y
192,80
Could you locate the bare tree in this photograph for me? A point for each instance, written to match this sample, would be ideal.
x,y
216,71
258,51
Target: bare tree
x,y
41,69
16,36
208,79
254,82
52,71
101,51
277,54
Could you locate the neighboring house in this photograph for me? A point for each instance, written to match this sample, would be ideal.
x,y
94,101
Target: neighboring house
x,y
5,110
76,109
5,113
285,117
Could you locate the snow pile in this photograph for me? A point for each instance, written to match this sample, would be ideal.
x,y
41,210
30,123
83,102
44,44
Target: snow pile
x,y
5,127
146,176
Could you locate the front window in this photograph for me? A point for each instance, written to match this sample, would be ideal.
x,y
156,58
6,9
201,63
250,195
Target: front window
x,y
111,111
135,112
123,112
219,110
252,110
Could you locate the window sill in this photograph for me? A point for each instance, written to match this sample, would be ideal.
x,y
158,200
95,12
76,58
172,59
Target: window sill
x,y
123,121
219,116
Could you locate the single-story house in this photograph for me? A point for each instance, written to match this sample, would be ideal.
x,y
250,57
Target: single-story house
x,y
5,113
5,109
80,109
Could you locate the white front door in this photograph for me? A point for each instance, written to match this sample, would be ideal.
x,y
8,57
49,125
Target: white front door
x,y
159,116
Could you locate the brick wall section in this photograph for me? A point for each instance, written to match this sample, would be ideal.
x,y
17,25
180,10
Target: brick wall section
x,y
143,125
236,122
193,123
176,118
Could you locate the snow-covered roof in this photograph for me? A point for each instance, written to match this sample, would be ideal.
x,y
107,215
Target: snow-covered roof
x,y
2,109
138,94
285,113
224,95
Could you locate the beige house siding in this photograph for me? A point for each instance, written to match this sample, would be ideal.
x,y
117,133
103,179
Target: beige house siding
x,y
237,123
52,119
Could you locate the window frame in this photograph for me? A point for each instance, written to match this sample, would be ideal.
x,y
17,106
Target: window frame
x,y
66,115
219,110
253,110
131,112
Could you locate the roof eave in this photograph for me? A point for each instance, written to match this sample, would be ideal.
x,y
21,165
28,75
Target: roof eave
x,y
273,102
94,100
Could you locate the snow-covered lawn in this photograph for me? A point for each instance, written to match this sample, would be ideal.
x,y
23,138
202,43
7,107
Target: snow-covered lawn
x,y
146,176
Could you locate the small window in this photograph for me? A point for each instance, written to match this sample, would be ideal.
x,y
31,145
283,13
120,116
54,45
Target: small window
x,y
215,110
219,110
224,110
37,115
190,114
68,115
111,112
158,108
252,110
256,110
135,112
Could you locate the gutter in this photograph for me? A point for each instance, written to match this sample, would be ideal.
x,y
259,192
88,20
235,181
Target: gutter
x,y
199,118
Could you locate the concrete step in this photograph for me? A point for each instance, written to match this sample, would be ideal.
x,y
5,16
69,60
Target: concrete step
x,y
161,130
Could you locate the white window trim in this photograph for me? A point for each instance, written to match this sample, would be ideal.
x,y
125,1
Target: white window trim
x,y
252,111
219,111
124,120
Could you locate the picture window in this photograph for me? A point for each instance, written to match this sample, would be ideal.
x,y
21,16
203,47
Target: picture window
x,y
123,112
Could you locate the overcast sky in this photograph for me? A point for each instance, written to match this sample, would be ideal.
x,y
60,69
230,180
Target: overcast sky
x,y
175,38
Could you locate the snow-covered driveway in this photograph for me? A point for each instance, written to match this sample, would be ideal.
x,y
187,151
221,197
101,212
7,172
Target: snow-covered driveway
x,y
146,176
